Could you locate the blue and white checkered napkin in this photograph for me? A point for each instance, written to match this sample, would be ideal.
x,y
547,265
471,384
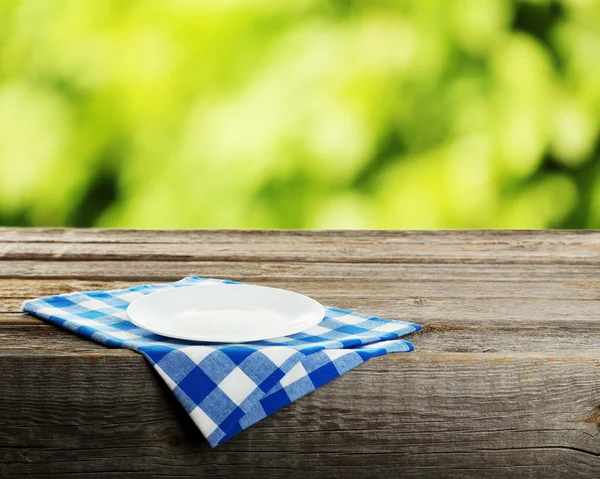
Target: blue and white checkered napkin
x,y
227,387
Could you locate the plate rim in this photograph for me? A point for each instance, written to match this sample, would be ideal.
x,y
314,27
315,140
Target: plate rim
x,y
304,326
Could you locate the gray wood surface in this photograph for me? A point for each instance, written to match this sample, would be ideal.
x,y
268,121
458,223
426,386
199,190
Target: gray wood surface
x,y
505,380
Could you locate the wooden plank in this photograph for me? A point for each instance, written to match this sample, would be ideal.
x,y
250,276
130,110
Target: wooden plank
x,y
332,246
464,294
422,292
25,333
379,288
419,301
457,237
332,253
298,271
418,415
507,313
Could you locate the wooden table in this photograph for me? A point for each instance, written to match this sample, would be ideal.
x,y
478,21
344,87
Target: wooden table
x,y
504,382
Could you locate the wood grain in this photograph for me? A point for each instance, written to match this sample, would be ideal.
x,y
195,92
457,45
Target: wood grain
x,y
504,382
418,415
330,246
23,333
461,294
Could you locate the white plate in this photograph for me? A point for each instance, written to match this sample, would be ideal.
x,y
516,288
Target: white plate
x,y
225,313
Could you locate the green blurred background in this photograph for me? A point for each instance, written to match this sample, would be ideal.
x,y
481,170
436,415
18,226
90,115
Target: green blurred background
x,y
300,114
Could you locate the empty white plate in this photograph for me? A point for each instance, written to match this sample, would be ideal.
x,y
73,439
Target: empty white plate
x,y
225,313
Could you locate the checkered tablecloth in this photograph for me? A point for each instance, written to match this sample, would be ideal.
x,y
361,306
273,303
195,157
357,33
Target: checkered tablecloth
x,y
227,387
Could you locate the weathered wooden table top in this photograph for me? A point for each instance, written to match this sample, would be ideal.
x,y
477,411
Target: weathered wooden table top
x,y
504,382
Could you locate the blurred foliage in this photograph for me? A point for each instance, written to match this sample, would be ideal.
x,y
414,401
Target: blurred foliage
x,y
300,114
